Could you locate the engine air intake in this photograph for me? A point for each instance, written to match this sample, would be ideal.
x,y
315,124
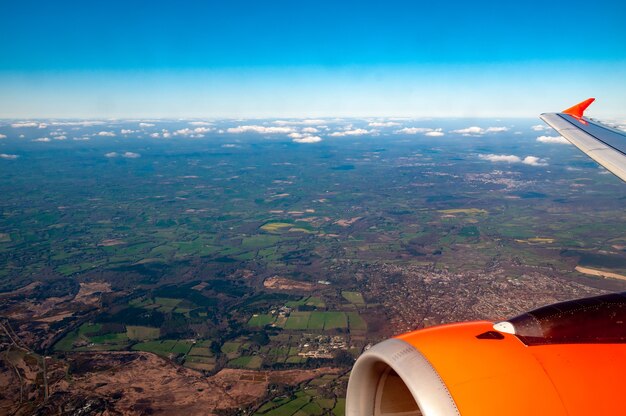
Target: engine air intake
x,y
394,379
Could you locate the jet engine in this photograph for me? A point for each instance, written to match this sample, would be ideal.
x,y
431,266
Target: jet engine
x,y
563,359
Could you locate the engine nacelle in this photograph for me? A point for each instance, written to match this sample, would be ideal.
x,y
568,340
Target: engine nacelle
x,y
563,359
394,379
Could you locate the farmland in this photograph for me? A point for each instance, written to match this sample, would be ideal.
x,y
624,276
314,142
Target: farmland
x,y
267,256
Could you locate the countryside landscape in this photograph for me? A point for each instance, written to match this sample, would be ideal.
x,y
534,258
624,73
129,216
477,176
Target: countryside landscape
x,y
233,267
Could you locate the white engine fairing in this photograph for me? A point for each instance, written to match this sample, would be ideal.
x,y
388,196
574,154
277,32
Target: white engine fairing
x,y
394,379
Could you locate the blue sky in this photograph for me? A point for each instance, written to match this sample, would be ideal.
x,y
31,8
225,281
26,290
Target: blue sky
x,y
303,58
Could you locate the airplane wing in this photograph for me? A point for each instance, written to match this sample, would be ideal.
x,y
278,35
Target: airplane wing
x,y
564,359
605,145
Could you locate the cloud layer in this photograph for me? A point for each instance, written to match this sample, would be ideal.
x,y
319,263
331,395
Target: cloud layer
x,y
127,155
421,130
528,160
479,131
553,139
353,132
307,139
260,129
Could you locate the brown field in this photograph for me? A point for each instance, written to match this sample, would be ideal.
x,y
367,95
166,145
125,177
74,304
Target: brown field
x,y
144,383
111,242
282,283
89,293
600,273
347,223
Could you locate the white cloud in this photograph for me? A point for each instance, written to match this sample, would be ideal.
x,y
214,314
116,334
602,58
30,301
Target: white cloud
x,y
310,130
146,125
470,130
534,161
106,134
60,138
183,132
260,129
200,123
308,122
230,145
127,131
383,124
552,139
42,139
528,160
164,133
478,131
540,127
501,158
128,155
79,139
413,130
308,139
355,132
421,130
77,123
24,124
2,136
42,126
496,129
195,133
6,156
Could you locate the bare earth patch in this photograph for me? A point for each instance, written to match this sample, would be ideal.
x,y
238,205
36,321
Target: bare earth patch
x,y
111,242
282,283
347,223
89,293
144,383
600,273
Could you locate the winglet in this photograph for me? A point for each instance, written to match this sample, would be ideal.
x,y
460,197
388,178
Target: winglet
x,y
578,110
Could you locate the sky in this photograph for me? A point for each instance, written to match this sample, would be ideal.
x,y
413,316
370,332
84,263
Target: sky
x,y
275,58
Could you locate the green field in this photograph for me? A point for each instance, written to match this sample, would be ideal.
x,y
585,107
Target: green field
x,y
298,320
356,322
171,302
276,227
261,320
335,320
200,351
141,333
353,297
317,320
309,301
85,339
198,362
162,348
250,362
303,403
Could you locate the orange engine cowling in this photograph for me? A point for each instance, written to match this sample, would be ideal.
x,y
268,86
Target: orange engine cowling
x,y
564,359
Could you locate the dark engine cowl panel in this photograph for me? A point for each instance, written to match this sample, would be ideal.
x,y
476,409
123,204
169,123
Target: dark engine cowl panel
x,y
596,320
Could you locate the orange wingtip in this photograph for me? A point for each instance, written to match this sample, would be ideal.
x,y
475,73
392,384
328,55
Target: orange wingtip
x,y
579,109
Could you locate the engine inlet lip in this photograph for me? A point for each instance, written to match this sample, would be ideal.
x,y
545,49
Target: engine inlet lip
x,y
428,389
